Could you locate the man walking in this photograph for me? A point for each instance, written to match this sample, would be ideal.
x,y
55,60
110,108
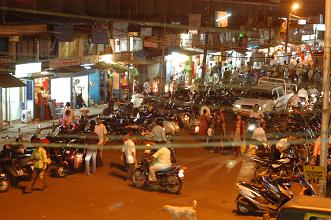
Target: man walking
x,y
91,153
129,155
101,131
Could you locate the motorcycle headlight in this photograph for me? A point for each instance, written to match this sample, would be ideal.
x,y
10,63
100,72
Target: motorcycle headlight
x,y
237,106
313,95
303,103
186,118
251,127
2,175
196,129
181,173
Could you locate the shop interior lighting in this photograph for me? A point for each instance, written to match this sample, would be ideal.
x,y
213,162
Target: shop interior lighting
x,y
223,17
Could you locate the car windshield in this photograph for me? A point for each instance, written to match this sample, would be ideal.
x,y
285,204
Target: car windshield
x,y
260,94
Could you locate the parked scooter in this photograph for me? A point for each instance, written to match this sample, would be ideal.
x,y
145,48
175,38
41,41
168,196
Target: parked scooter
x,y
269,195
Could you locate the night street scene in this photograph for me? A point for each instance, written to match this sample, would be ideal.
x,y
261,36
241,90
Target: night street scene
x,y
165,109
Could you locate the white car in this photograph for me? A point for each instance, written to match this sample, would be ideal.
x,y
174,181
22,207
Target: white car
x,y
259,95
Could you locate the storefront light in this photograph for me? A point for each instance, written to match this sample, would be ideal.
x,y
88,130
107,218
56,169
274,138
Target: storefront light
x,y
107,58
23,70
178,57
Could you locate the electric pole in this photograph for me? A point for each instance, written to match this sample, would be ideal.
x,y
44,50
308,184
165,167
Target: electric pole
x,y
205,47
326,90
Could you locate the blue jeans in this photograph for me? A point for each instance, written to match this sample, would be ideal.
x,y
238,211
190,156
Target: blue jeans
x,y
91,154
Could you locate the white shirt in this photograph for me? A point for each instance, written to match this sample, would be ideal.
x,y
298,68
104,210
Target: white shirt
x,y
282,144
294,100
129,149
259,135
147,87
269,105
302,93
163,155
101,131
71,117
158,133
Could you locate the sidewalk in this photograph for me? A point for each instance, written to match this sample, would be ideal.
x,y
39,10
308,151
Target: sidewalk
x,y
33,126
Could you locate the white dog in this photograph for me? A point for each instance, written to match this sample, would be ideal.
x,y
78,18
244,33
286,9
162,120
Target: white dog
x,y
176,212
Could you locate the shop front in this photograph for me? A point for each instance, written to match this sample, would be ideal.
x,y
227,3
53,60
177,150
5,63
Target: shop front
x,y
12,92
18,102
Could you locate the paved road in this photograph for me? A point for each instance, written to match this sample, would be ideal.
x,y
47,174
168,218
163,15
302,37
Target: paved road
x,y
210,179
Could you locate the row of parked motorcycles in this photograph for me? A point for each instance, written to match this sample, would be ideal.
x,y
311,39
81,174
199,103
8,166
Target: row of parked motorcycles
x,y
274,174
67,150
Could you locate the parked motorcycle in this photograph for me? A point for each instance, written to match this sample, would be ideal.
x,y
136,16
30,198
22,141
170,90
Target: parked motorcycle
x,y
170,179
68,160
268,195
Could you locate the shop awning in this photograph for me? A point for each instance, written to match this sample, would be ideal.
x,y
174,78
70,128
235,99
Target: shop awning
x,y
70,71
116,67
8,81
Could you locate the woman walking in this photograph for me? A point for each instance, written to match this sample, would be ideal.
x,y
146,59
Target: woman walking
x,y
238,134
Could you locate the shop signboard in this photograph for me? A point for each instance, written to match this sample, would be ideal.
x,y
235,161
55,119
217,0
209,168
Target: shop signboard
x,y
146,32
100,33
93,59
6,63
57,63
24,70
120,29
314,173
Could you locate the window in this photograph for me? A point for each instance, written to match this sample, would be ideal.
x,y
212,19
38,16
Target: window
x,y
90,49
121,44
69,49
136,44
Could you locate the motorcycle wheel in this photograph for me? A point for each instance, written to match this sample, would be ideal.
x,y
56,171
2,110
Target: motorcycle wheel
x,y
4,185
138,179
174,184
61,171
261,171
242,205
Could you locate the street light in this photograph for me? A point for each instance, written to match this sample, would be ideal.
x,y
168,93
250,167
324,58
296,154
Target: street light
x,y
295,6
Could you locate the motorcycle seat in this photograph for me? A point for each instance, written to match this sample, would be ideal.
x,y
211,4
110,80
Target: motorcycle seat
x,y
275,165
164,170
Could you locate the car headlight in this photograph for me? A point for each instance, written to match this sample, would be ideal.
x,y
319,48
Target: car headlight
x,y
2,175
237,106
251,127
181,173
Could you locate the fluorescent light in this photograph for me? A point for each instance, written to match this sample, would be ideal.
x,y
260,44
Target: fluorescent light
x,y
223,17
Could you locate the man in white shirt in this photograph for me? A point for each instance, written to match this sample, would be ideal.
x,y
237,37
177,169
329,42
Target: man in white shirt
x,y
70,118
158,133
162,159
129,155
293,101
101,131
147,87
259,134
302,93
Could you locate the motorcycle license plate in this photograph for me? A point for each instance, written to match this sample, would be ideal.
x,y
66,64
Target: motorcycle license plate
x,y
20,172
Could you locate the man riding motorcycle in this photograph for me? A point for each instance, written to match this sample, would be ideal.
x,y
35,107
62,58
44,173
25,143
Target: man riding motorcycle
x,y
161,161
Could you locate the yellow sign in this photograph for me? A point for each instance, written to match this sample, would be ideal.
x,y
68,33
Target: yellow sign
x,y
314,172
